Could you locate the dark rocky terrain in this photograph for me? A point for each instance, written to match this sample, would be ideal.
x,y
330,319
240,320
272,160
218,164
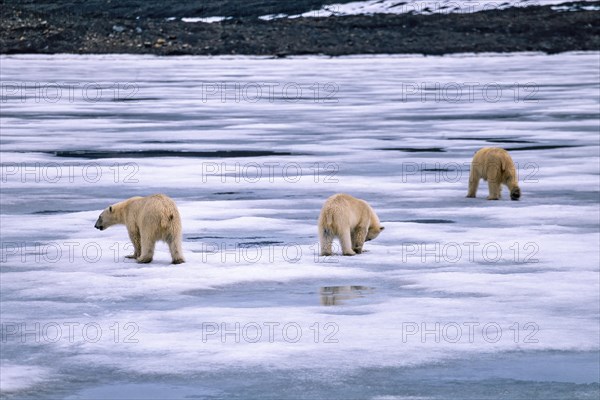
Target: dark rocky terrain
x,y
141,27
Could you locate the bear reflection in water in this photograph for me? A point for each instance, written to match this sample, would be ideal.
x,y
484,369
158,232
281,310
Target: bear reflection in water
x,y
336,295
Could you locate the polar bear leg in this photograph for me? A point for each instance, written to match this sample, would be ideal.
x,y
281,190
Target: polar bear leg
x,y
495,188
147,250
494,183
346,242
473,182
358,239
326,239
134,235
176,251
515,193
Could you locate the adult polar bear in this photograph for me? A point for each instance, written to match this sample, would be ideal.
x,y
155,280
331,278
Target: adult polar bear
x,y
495,166
352,220
148,220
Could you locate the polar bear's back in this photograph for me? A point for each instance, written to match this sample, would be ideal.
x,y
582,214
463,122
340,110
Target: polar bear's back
x,y
342,211
157,213
493,162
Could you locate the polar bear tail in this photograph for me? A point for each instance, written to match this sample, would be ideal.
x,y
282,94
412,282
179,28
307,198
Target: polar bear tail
x,y
166,221
503,164
326,224
329,220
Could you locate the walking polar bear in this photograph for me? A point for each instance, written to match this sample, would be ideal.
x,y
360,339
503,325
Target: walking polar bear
x,y
495,166
148,220
350,219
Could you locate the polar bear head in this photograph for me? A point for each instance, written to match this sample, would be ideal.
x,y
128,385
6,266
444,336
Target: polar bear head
x,y
107,218
373,232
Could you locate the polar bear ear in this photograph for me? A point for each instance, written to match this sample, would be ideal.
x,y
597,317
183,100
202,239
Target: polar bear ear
x,y
110,209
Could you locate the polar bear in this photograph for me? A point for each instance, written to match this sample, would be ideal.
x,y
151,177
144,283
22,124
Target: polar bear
x,y
352,220
148,220
495,166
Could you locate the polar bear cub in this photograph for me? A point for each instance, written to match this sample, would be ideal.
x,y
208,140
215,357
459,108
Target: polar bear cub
x,y
148,220
350,219
495,166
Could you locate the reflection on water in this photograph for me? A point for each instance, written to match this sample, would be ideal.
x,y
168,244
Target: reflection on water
x,y
336,295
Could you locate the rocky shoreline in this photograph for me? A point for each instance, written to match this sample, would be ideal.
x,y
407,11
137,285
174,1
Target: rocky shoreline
x,y
52,30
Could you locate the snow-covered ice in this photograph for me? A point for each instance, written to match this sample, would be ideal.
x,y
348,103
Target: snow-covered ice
x,y
426,7
208,20
457,298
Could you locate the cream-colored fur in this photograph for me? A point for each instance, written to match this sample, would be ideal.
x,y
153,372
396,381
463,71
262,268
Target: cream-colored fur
x,y
350,219
148,220
495,166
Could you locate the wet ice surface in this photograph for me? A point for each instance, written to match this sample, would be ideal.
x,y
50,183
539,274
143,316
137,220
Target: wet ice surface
x,y
255,313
